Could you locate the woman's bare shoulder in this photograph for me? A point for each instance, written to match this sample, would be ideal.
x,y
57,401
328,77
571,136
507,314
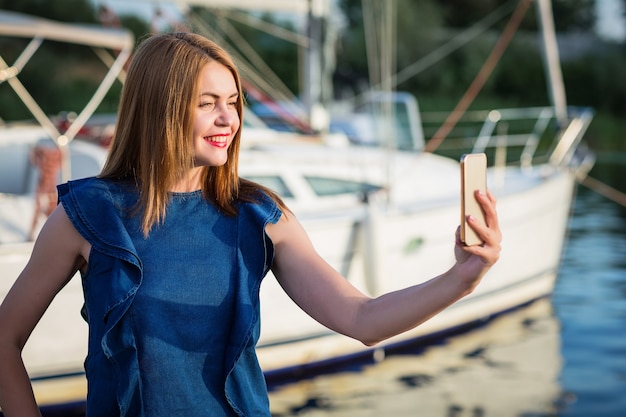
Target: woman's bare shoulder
x,y
59,238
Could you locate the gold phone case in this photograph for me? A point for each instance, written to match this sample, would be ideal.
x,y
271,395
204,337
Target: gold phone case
x,y
473,177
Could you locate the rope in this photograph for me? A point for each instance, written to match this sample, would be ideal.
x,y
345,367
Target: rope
x,y
605,190
481,77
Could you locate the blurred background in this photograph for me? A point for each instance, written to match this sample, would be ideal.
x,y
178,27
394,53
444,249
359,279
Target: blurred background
x,y
562,356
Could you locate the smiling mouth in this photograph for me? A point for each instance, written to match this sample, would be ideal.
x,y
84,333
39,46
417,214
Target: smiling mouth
x,y
219,141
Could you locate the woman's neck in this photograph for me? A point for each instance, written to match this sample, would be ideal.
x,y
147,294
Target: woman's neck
x,y
191,182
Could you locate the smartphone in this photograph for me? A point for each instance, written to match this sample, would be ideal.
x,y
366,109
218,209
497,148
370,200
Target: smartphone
x,y
473,177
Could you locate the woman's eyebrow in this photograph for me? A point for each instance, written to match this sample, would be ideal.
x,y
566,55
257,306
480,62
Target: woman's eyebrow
x,y
216,96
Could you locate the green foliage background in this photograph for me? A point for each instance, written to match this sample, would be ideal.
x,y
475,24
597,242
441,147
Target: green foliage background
x,y
593,77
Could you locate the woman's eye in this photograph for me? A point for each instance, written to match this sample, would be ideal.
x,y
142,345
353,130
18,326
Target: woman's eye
x,y
207,104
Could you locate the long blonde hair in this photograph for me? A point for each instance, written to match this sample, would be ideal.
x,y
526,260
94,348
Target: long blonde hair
x,y
153,138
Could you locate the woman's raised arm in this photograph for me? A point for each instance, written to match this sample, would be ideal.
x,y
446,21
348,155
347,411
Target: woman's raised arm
x,y
330,299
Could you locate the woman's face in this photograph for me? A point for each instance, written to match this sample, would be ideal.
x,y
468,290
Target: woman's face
x,y
216,119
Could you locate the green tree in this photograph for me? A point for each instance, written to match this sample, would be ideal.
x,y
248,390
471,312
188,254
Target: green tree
x,y
138,26
568,14
60,77
415,23
61,10
423,26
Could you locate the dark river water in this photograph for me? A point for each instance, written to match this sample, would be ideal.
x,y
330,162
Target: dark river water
x,y
562,356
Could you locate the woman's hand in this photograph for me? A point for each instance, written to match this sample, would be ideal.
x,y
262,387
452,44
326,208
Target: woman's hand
x,y
472,262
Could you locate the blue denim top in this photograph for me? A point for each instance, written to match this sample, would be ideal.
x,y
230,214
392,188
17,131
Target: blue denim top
x,y
146,302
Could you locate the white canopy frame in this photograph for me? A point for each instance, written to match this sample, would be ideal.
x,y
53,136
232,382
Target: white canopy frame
x,y
102,40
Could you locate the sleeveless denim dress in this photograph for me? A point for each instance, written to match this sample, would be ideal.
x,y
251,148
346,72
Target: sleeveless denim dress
x,y
173,319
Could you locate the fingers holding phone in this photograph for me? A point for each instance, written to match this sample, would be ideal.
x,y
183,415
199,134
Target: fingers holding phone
x,y
479,231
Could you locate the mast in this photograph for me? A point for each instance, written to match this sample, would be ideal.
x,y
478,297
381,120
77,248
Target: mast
x,y
315,80
552,61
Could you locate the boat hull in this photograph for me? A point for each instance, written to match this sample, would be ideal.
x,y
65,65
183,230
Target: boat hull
x,y
531,251
379,247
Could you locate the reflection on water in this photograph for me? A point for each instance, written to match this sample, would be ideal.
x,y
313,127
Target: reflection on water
x,y
509,367
590,301
557,357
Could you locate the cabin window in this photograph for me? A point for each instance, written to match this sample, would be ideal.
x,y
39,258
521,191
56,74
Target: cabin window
x,y
324,187
274,183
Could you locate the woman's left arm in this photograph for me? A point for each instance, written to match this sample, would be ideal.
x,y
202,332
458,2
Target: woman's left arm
x,y
330,299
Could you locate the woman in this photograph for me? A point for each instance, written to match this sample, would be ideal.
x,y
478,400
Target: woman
x,y
172,247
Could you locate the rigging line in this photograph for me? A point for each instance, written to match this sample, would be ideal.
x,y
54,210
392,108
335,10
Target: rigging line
x,y
287,103
269,28
252,56
481,77
370,30
242,62
247,70
605,190
454,44
387,71
388,55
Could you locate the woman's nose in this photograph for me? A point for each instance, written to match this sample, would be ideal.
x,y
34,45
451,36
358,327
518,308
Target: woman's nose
x,y
226,117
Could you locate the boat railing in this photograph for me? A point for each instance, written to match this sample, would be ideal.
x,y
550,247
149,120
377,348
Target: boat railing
x,y
519,136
